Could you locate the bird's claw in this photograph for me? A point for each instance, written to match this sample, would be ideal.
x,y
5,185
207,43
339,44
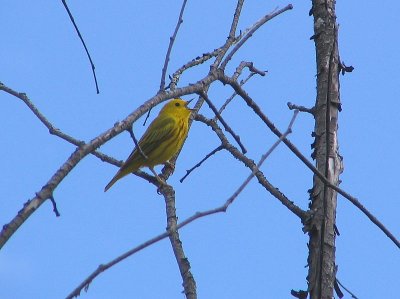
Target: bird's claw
x,y
170,165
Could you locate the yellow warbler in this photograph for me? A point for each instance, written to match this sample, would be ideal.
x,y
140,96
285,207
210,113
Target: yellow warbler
x,y
161,141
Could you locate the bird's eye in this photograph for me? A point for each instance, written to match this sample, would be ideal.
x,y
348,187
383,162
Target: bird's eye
x,y
177,104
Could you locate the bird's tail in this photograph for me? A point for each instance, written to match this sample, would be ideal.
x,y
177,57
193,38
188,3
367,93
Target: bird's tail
x,y
130,165
119,175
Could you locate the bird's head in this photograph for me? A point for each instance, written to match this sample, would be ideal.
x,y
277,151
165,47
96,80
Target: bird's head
x,y
177,107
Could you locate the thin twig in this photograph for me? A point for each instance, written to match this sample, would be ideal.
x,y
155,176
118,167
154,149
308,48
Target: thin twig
x,y
201,162
292,106
234,94
231,37
253,29
337,289
171,43
346,289
223,122
137,146
168,54
83,43
251,68
238,72
55,210
196,61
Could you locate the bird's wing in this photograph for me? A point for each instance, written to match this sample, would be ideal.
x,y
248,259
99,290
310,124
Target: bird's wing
x,y
157,133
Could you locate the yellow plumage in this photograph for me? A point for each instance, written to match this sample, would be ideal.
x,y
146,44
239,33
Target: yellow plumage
x,y
161,141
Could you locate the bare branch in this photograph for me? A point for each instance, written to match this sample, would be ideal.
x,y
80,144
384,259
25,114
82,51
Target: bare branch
x,y
189,283
262,160
83,150
196,61
231,37
171,43
223,122
242,82
130,130
55,210
300,108
221,147
294,149
346,289
343,68
363,209
83,43
173,227
103,267
57,132
252,166
250,66
251,31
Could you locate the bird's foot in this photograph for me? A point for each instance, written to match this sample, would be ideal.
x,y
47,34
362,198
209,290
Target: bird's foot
x,y
159,180
170,165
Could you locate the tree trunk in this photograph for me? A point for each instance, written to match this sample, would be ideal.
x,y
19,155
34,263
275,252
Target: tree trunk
x,y
321,259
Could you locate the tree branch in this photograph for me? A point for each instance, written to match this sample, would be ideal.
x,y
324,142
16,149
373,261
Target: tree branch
x,y
251,31
83,150
231,37
173,227
213,152
171,43
83,43
236,86
189,283
234,94
223,122
253,167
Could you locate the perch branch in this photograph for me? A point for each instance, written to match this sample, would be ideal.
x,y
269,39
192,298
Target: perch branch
x,y
189,284
167,189
87,148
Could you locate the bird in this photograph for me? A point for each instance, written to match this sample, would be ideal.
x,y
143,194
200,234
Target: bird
x,y
161,141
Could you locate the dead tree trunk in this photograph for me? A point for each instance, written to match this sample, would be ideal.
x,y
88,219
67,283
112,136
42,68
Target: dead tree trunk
x,y
321,259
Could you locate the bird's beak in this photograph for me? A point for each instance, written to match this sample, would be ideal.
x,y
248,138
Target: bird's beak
x,y
187,103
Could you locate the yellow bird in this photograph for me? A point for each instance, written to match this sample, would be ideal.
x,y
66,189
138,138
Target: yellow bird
x,y
161,141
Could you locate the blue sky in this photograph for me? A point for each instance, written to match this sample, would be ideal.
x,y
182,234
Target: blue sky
x,y
257,249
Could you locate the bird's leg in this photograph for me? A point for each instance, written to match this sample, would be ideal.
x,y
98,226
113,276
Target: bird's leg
x,y
160,180
170,165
